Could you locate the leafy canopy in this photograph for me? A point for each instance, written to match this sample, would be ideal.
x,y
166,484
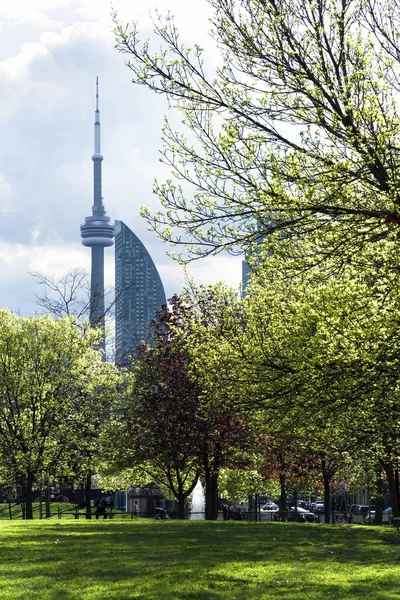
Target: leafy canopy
x,y
297,131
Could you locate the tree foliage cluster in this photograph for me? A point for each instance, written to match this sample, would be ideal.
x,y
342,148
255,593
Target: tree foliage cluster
x,y
296,131
316,360
295,383
289,151
174,430
55,391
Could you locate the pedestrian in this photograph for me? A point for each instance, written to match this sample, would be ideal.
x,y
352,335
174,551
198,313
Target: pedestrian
x,y
225,512
135,509
101,508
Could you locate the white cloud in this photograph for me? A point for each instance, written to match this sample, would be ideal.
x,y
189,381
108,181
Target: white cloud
x,y
73,34
50,53
23,12
16,67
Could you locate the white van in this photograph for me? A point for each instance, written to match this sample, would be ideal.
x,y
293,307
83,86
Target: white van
x,y
357,513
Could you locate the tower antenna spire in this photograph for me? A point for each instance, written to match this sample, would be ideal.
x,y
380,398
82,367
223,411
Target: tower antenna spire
x,y
97,150
97,231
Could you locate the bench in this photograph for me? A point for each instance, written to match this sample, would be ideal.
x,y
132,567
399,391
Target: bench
x,y
77,512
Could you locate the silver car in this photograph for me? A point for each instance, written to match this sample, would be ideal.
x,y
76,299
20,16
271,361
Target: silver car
x,y
269,505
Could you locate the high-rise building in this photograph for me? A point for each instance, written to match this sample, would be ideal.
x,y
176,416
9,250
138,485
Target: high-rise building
x,y
245,276
246,269
97,232
139,292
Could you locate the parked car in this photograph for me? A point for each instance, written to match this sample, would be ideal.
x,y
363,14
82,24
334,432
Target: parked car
x,y
357,513
387,515
369,518
319,506
302,515
269,505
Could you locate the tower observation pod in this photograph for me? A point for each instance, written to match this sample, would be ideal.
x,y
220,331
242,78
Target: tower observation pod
x,y
97,232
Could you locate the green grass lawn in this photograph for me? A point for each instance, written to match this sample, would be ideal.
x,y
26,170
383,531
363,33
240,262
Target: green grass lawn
x,y
148,560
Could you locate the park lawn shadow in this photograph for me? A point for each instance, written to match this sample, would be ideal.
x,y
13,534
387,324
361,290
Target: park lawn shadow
x,y
196,560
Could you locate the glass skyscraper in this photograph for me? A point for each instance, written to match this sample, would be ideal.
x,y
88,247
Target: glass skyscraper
x,y
139,292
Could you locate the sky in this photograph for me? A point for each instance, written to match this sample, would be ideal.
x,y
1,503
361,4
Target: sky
x,y
50,54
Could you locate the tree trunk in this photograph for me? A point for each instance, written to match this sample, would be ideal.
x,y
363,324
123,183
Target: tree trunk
x,y
47,499
211,495
88,488
27,485
378,497
41,503
257,507
283,498
327,498
392,484
181,498
252,510
181,506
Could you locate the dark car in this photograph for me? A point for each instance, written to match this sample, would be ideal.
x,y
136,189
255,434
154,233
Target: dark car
x,y
303,515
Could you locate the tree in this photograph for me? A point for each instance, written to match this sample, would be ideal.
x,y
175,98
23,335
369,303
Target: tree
x,y
47,368
237,485
290,464
295,134
92,402
70,296
66,296
229,439
295,141
174,429
350,358
244,354
160,422
314,359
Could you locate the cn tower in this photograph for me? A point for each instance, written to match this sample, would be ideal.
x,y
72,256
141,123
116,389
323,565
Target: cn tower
x,y
97,232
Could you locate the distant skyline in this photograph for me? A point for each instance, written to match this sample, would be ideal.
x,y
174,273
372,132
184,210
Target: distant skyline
x,y
50,55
